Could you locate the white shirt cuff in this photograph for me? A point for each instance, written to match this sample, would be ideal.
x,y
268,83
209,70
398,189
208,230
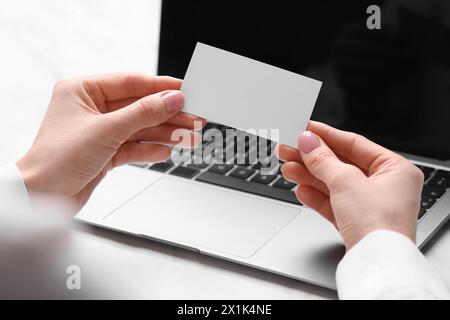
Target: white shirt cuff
x,y
387,265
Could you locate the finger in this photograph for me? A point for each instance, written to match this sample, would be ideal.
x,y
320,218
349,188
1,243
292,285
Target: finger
x,y
188,121
149,111
296,172
323,164
163,134
140,153
118,86
114,105
286,153
181,119
356,148
317,201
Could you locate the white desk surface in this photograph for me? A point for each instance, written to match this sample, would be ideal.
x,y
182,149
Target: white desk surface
x,y
48,40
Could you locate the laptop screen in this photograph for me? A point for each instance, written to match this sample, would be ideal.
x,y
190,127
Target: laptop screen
x,y
390,84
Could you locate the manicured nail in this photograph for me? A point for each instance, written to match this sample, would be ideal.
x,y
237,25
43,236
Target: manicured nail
x,y
174,101
308,141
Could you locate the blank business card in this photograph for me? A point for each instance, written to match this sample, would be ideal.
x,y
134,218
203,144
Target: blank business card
x,y
248,95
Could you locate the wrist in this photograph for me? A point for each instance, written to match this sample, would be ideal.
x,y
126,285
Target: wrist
x,y
31,175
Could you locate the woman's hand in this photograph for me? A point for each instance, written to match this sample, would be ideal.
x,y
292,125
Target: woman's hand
x,y
354,183
96,123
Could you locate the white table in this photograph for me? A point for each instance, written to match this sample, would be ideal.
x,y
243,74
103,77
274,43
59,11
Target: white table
x,y
44,41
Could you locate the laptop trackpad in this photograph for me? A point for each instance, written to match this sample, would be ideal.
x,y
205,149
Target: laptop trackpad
x,y
203,216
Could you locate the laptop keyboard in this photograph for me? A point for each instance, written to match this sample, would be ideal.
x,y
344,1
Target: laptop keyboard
x,y
242,175
437,183
245,176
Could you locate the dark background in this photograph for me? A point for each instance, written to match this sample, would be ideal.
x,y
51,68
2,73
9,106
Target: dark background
x,y
392,85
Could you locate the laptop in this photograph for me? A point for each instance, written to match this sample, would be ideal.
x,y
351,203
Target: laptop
x,y
390,84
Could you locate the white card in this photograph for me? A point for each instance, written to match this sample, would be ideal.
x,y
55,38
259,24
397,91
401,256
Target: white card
x,y
249,95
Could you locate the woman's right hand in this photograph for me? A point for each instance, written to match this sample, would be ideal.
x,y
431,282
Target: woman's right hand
x,y
354,183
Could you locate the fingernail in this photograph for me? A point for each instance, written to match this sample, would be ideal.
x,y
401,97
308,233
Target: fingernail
x,y
308,141
174,101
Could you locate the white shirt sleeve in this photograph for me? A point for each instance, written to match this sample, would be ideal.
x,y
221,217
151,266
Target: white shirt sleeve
x,y
38,247
13,193
387,265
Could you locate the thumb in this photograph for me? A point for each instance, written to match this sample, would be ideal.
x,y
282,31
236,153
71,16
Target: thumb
x,y
320,159
149,111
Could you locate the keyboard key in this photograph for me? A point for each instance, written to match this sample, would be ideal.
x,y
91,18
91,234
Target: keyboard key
x,y
266,163
162,167
181,155
257,166
266,148
433,192
139,165
242,173
242,139
184,172
284,184
244,159
198,162
248,186
264,179
427,202
440,180
197,166
221,168
213,125
442,173
213,137
212,131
